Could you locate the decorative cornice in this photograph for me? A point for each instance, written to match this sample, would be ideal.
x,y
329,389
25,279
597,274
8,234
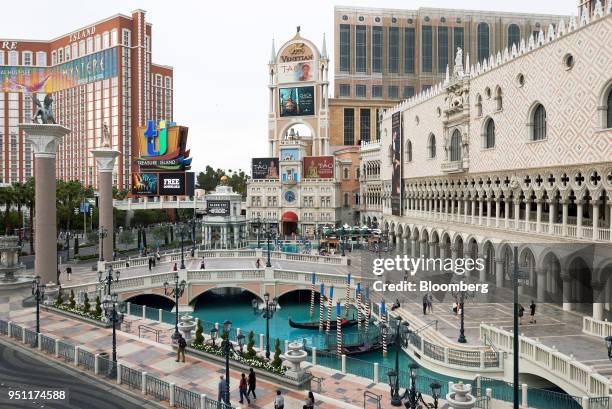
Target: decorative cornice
x,y
105,158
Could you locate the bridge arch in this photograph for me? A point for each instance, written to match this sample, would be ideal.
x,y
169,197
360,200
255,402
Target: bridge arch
x,y
198,291
153,300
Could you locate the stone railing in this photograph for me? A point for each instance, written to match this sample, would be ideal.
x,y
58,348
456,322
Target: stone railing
x,y
596,328
550,360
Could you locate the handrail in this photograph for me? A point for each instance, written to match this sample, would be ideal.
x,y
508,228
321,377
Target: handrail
x,y
488,341
144,328
424,327
371,395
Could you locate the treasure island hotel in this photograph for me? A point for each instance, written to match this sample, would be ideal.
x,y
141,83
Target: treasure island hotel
x,y
99,75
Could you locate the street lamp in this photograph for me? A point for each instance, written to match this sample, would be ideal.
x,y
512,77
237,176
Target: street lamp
x,y
214,333
402,332
102,233
111,276
268,313
182,233
411,394
110,311
268,238
38,291
177,292
227,327
435,394
342,240
461,296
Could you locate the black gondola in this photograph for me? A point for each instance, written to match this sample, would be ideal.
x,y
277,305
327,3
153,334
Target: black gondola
x,y
315,324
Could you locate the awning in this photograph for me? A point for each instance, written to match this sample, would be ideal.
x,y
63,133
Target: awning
x,y
289,217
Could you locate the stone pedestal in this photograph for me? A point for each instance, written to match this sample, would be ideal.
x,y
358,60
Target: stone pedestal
x,y
295,355
186,326
460,396
105,162
44,139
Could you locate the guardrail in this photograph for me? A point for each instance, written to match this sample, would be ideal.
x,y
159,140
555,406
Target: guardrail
x,y
550,360
78,356
596,328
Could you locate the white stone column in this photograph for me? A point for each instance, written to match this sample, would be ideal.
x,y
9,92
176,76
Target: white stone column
x,y
527,213
517,212
538,215
413,247
473,210
552,215
465,211
480,211
44,139
499,272
507,212
497,211
565,204
567,293
598,301
541,285
595,215
105,162
579,214
489,218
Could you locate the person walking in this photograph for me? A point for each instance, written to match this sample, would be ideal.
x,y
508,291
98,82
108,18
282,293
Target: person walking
x,y
174,268
182,344
521,311
150,263
69,272
243,389
430,303
455,307
425,304
222,390
532,310
202,265
310,401
257,263
252,383
279,401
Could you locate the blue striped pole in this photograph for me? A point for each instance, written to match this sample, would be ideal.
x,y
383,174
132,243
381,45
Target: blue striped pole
x,y
383,317
329,309
368,311
348,294
338,329
312,294
358,307
321,301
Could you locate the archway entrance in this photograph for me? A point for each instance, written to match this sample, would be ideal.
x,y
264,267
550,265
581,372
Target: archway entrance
x,y
289,223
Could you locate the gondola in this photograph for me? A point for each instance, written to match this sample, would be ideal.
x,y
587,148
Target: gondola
x,y
315,324
361,348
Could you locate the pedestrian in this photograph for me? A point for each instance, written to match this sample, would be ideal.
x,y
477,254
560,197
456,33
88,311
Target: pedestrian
x,y
182,344
455,307
257,264
242,387
430,303
202,265
150,263
279,401
69,272
222,390
532,309
114,255
58,276
521,311
252,383
310,401
174,268
425,304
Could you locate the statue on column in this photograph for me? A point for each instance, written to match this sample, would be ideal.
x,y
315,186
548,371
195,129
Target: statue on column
x,y
44,111
105,136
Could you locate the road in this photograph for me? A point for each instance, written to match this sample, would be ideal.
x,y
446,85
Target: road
x,y
21,371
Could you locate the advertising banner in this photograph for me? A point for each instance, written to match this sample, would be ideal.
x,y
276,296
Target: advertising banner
x,y
396,176
163,184
163,147
145,184
290,154
218,207
171,184
93,67
296,101
297,72
264,168
319,167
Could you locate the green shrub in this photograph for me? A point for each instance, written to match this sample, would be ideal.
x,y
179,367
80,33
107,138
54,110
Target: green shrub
x,y
98,308
59,300
71,300
86,305
199,338
277,361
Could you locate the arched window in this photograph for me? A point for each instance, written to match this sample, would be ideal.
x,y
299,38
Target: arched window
x,y
498,98
539,123
514,36
455,148
431,146
483,41
409,151
478,105
489,134
346,199
346,173
609,109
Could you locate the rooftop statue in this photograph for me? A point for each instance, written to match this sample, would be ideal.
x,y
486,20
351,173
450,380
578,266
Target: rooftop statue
x,y
44,111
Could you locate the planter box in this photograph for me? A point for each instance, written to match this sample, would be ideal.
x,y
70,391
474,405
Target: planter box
x,y
262,374
53,309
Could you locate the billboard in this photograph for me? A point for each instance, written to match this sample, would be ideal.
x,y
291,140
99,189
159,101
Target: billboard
x,y
163,147
290,154
163,184
145,184
296,101
218,207
264,168
297,72
396,155
318,167
93,67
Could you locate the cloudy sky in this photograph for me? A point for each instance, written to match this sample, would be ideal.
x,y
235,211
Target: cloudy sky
x,y
219,50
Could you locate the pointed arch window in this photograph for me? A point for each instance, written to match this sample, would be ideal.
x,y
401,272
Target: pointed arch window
x,y
539,123
455,148
489,134
431,146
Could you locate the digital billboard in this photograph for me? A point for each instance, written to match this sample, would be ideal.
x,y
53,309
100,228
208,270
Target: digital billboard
x,y
264,168
218,207
297,72
290,154
145,184
93,67
396,176
296,101
163,184
319,167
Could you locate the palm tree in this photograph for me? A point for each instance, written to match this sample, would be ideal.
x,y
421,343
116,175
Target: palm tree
x,y
29,201
7,198
19,199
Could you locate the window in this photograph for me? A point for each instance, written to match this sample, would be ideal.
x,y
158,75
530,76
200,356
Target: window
x,y
360,91
126,38
431,146
409,50
408,151
53,57
345,47
105,39
393,49
41,59
1,57
345,173
27,58
457,41
98,42
427,48
455,148
393,91
346,199
408,92
376,91
478,105
364,125
376,49
345,90
349,126
60,55
75,50
425,87
539,123
609,109
114,40
483,41
514,35
360,49
13,58
489,134
378,124
498,99
90,45
442,48
82,50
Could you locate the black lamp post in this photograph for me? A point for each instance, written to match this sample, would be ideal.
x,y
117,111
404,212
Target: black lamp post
x,y
227,327
38,291
193,235
257,224
402,332
411,394
269,235
268,313
182,233
177,292
110,311
461,296
111,276
214,333
102,233
343,239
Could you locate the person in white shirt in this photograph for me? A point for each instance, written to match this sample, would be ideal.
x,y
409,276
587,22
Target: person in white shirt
x,y
279,401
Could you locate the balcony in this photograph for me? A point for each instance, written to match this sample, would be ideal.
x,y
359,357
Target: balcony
x,y
456,166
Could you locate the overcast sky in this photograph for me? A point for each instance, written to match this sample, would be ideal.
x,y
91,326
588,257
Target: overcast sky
x,y
219,50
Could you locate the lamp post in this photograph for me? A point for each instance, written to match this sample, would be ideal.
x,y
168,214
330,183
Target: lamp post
x,y
107,281
342,237
268,238
461,296
227,326
38,291
411,394
402,332
214,333
268,313
177,292
182,232
102,232
110,311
